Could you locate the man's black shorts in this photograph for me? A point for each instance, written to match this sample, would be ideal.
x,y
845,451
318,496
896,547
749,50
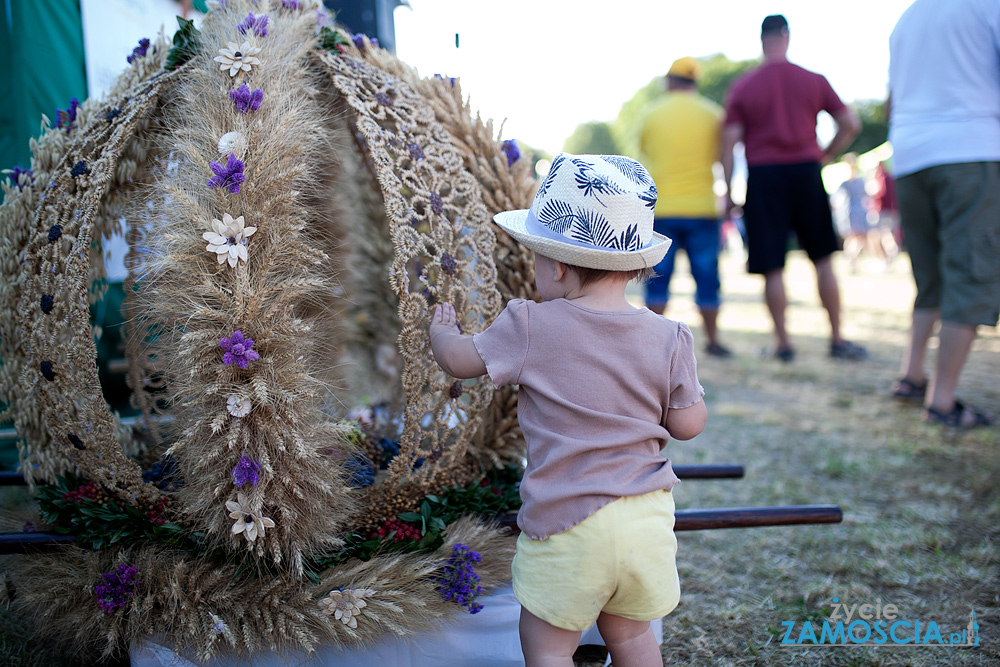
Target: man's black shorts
x,y
783,198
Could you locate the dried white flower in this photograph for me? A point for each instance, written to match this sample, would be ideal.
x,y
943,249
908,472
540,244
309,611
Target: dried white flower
x,y
228,239
238,406
346,604
233,142
249,520
237,59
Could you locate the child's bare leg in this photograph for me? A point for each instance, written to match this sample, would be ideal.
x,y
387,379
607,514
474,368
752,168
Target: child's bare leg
x,y
631,643
545,645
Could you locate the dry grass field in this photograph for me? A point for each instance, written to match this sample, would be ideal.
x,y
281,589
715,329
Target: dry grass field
x,y
921,503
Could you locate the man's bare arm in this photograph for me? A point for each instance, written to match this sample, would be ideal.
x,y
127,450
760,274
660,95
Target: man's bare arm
x,y
848,127
731,135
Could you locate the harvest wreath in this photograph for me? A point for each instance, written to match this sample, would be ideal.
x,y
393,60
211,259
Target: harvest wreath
x,y
294,200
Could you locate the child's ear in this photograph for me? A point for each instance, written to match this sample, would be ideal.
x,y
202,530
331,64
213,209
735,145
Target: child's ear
x,y
559,271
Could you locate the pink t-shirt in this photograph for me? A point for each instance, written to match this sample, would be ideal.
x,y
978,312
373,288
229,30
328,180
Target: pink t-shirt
x,y
595,388
777,106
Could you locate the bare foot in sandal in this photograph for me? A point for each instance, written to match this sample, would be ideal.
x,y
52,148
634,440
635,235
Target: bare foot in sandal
x,y
960,417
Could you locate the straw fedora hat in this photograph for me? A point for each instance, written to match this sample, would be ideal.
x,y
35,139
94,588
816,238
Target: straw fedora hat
x,y
594,211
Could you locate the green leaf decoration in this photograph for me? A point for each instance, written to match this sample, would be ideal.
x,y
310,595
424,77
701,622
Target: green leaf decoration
x,y
186,42
331,39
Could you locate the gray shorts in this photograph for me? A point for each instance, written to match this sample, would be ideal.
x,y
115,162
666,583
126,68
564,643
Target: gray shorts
x,y
951,220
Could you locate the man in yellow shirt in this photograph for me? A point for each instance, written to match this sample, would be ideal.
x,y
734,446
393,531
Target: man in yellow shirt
x,y
680,142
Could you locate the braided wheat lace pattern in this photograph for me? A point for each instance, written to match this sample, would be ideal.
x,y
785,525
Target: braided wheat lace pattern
x,y
503,186
59,374
443,241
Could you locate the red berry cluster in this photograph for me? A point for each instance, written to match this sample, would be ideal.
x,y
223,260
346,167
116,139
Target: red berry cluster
x,y
156,514
404,531
88,491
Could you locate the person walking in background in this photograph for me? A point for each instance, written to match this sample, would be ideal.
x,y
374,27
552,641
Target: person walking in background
x,y
679,144
885,207
944,126
772,111
853,206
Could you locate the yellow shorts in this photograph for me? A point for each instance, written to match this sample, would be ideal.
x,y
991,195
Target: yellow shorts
x,y
620,560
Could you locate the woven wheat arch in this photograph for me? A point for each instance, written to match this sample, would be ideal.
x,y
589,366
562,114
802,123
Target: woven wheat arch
x,y
371,191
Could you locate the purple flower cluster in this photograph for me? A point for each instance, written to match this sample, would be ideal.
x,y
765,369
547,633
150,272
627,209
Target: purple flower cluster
x,y
246,471
139,51
229,175
238,350
116,588
245,99
290,4
449,79
458,581
66,117
15,177
510,148
255,24
359,41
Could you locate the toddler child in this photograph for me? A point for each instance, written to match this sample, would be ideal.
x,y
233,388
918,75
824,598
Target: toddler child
x,y
602,388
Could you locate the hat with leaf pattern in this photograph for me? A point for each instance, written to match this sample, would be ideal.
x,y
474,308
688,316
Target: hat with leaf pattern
x,y
594,211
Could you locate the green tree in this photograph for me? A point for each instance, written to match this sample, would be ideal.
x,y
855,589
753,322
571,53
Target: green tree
x,y
593,138
874,125
719,72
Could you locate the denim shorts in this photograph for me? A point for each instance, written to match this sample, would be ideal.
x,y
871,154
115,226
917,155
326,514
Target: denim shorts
x,y
699,238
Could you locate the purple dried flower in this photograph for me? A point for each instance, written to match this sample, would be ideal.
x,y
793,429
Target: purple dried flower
x,y
229,176
238,350
290,4
437,204
28,527
139,51
321,17
66,117
384,99
416,152
257,24
116,588
449,79
509,147
458,581
246,471
448,264
359,40
245,99
14,174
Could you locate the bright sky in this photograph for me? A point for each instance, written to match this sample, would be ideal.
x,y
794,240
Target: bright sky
x,y
549,65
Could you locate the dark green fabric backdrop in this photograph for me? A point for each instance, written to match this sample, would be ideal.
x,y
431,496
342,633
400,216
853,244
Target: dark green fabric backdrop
x,y
41,48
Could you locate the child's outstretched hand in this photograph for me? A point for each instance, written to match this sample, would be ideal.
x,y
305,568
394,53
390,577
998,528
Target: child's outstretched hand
x,y
444,320
455,353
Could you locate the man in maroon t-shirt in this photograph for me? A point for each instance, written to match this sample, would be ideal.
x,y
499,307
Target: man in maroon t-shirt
x,y
772,111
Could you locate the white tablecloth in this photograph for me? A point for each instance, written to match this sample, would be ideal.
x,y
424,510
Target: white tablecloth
x,y
486,639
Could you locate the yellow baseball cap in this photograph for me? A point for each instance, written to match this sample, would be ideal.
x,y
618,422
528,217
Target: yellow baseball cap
x,y
685,68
